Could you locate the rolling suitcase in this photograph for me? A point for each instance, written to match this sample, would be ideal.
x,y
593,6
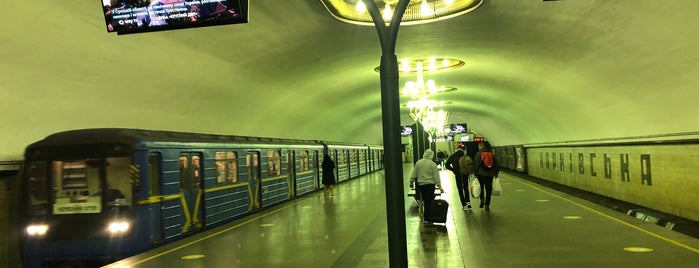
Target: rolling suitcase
x,y
439,211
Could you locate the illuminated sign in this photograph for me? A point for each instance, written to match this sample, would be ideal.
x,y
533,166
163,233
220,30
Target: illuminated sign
x,y
77,208
136,16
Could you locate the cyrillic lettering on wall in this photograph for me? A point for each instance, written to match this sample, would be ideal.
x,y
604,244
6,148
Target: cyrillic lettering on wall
x,y
645,170
624,166
561,158
581,165
592,165
541,159
571,162
607,167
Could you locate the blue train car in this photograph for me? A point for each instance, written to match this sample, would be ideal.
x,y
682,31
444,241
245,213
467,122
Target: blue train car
x,y
98,195
350,160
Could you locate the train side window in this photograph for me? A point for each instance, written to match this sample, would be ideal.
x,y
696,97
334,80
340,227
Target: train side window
x,y
184,171
232,167
342,157
303,161
196,165
274,163
226,167
154,175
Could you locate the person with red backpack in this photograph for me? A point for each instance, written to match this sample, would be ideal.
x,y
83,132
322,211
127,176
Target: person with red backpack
x,y
486,167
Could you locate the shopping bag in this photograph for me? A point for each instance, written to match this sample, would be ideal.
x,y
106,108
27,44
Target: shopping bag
x,y
497,187
475,188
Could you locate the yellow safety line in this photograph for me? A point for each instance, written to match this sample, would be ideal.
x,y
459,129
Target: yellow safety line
x,y
669,240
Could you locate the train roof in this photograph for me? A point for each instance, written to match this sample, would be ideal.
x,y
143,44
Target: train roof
x,y
133,136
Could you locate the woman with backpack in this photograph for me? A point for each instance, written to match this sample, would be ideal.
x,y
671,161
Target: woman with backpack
x,y
486,167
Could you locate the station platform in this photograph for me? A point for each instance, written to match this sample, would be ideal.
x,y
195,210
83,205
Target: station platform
x,y
529,225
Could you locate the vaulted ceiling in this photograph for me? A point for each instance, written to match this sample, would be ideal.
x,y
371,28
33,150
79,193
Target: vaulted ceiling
x,y
535,71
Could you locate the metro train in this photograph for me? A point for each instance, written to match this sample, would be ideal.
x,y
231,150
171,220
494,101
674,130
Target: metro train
x,y
93,196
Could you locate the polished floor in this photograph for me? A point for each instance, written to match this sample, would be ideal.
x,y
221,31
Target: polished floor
x,y
528,226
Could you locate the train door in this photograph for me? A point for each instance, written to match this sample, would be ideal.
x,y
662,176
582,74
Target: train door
x,y
191,182
254,182
154,185
291,170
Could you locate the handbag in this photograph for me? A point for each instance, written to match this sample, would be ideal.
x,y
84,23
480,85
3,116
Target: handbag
x,y
475,188
497,187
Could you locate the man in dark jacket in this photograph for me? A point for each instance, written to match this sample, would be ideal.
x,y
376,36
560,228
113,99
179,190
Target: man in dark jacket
x,y
486,167
453,165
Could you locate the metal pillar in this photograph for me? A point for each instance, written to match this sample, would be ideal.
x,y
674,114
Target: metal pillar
x,y
390,108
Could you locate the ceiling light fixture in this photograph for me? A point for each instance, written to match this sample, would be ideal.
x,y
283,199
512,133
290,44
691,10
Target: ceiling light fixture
x,y
417,12
410,66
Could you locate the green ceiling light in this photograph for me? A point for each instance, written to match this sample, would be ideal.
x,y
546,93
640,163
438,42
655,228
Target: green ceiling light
x,y
417,12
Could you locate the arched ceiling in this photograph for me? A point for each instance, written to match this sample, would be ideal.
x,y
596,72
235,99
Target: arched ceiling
x,y
535,72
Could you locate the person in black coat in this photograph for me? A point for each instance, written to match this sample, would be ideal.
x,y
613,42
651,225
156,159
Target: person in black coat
x,y
328,174
461,179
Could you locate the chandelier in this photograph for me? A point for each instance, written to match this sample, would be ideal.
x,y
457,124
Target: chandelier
x,y
417,12
421,107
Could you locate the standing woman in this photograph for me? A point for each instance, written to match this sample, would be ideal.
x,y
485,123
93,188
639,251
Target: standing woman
x,y
486,167
328,174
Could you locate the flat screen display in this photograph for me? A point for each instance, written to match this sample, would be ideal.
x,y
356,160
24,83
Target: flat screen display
x,y
135,16
406,130
458,128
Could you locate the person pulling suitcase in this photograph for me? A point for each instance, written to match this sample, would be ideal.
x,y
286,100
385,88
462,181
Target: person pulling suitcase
x,y
426,175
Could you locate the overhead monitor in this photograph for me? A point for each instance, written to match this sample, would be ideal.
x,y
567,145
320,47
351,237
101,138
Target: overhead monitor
x,y
406,130
137,16
458,128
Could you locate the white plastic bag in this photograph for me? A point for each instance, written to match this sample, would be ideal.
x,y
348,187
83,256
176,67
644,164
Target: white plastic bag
x,y
497,187
475,188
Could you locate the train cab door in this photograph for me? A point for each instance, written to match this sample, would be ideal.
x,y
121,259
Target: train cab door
x,y
291,170
254,182
191,183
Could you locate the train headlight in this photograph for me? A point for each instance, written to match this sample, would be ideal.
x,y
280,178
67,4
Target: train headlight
x,y
37,229
118,227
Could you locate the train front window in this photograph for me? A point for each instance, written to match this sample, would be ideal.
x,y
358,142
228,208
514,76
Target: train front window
x,y
38,188
118,190
78,186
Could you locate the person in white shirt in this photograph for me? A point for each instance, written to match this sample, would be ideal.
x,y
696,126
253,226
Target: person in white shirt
x,y
426,174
